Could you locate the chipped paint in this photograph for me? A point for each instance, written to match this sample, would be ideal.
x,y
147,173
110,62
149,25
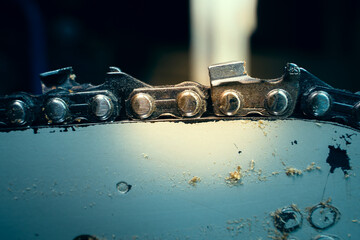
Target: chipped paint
x,y
338,158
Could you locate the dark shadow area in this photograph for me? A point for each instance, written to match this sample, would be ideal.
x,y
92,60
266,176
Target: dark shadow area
x,y
320,36
150,40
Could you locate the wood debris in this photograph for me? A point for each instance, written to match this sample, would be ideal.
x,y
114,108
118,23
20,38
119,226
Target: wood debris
x,y
261,124
290,171
194,181
312,167
235,176
252,165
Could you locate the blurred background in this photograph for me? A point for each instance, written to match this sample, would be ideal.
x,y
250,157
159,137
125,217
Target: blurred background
x,y
167,42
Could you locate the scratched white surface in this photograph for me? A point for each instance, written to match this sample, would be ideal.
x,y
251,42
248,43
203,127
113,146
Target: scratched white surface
x,y
58,185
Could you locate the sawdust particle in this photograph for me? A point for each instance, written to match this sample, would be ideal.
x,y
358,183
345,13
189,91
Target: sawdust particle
x,y
311,167
252,165
235,176
193,181
290,171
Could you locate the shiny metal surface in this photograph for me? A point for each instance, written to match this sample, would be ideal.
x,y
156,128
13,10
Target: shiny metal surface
x,y
261,97
17,112
226,70
230,102
277,101
357,113
319,103
102,106
189,103
326,237
56,110
232,93
142,105
58,183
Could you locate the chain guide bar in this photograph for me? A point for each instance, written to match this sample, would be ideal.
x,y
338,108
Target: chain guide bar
x,y
232,94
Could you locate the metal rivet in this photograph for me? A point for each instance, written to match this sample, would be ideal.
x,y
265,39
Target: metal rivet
x,y
277,101
143,105
189,103
102,106
323,216
326,237
17,112
230,102
319,103
123,187
56,110
288,219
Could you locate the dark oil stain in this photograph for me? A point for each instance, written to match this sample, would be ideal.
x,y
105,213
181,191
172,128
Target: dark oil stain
x,y
36,235
294,142
239,152
64,130
338,158
52,131
85,237
73,128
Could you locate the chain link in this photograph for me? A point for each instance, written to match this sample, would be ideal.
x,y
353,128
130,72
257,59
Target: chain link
x,y
232,94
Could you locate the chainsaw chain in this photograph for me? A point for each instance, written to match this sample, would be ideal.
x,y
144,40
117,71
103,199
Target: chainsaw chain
x,y
231,94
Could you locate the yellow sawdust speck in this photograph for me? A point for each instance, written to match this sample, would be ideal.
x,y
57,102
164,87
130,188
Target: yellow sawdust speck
x,y
252,165
311,167
235,176
193,181
290,171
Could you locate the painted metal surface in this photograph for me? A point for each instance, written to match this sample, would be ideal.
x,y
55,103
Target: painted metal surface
x,y
175,180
